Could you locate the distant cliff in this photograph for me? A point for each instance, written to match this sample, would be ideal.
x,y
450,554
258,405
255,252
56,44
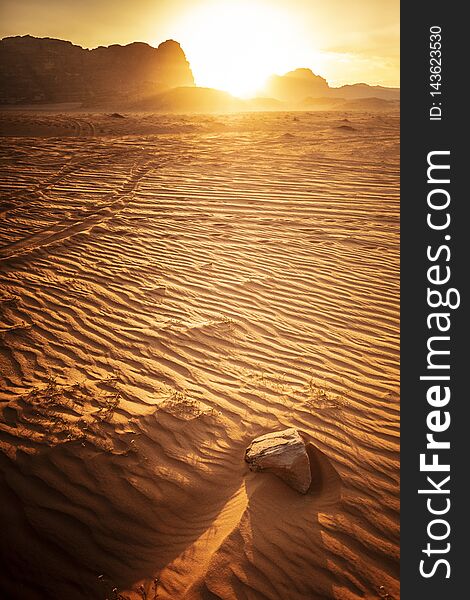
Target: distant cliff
x,y
296,85
49,70
44,70
300,84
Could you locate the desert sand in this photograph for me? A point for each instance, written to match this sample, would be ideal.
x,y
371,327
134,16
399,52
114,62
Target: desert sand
x,y
172,287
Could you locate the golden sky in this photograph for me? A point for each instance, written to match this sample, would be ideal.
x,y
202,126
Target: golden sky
x,y
232,45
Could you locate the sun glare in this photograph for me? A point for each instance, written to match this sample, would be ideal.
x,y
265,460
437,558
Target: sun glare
x,y
235,45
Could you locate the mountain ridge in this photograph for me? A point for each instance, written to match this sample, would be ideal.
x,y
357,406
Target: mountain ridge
x,y
50,70
299,84
41,70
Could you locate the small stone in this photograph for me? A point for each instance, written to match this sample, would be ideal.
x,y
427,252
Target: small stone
x,y
284,454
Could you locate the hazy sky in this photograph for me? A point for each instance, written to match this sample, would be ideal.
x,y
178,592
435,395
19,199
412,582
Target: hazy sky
x,y
232,44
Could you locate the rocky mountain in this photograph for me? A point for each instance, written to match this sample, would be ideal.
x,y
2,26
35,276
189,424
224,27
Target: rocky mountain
x,y
296,86
362,90
50,70
45,70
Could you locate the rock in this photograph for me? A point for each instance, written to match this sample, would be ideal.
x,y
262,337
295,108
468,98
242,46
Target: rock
x,y
50,70
296,85
284,454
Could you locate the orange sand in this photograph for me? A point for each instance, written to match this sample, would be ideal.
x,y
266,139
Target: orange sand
x,y
173,286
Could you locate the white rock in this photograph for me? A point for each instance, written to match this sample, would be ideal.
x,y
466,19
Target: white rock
x,y
283,453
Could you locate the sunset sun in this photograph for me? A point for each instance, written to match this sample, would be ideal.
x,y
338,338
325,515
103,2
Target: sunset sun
x,y
235,46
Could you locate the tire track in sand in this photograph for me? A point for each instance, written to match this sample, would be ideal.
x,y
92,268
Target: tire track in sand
x,y
67,229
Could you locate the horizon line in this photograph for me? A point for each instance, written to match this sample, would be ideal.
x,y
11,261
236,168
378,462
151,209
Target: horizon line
x,y
155,47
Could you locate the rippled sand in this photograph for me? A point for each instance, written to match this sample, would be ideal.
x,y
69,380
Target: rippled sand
x,y
171,288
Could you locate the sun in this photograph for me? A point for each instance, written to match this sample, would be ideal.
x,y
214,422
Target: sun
x,y
235,45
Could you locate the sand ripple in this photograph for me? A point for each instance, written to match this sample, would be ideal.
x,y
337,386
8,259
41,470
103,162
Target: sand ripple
x,y
167,297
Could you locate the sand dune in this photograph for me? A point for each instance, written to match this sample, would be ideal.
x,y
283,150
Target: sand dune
x,y
172,287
